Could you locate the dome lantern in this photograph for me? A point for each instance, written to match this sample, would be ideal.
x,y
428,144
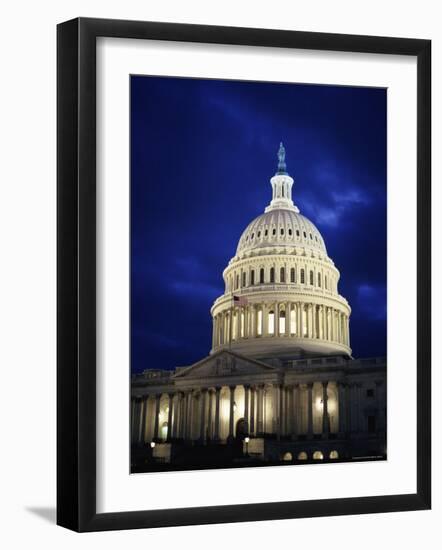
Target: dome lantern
x,y
281,186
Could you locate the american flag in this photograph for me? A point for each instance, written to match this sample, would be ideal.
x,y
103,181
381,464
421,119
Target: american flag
x,y
240,300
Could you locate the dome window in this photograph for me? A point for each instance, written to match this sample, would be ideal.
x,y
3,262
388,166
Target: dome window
x,y
266,232
290,231
244,279
311,236
316,238
302,276
252,277
253,235
274,231
261,275
325,282
272,274
292,275
282,231
311,278
297,232
305,234
259,234
247,238
319,280
282,275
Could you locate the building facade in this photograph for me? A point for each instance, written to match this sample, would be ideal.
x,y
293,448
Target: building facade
x,y
280,383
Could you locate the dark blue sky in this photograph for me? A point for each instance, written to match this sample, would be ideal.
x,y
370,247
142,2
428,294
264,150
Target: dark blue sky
x,y
202,154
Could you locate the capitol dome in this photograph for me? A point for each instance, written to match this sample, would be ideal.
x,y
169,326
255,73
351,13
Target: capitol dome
x,y
281,288
283,228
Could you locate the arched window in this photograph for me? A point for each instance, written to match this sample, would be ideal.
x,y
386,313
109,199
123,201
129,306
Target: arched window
x,y
302,276
261,275
317,455
252,277
236,282
266,232
292,275
253,235
282,231
302,455
244,279
334,455
282,275
274,231
311,278
297,232
305,234
271,323
259,234
290,231
272,274
319,280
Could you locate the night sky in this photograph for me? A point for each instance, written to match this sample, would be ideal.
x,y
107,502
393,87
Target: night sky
x,y
202,154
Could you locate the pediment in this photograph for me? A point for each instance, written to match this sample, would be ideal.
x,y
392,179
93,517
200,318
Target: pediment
x,y
224,363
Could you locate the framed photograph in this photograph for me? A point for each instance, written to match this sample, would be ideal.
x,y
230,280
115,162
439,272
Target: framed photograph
x,y
243,274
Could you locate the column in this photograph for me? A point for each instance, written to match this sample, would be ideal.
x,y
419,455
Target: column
x,y
288,410
314,313
231,413
139,419
246,409
325,417
246,322
238,323
299,327
143,421
310,409
214,331
348,418
287,318
260,428
157,416
252,410
265,320
279,409
217,400
169,418
252,321
348,330
341,407
203,414
276,318
295,408
210,415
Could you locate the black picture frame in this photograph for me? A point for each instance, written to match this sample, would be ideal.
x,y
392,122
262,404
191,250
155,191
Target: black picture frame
x,y
76,274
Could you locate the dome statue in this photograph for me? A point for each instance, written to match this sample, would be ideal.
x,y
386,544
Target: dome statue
x,y
281,294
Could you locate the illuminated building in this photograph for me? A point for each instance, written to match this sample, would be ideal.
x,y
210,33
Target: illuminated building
x,y
280,383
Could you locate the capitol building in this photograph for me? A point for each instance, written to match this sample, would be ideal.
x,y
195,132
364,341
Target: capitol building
x,y
280,384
